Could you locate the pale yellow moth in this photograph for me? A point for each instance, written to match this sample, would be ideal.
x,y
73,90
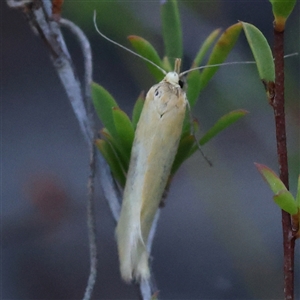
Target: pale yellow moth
x,y
154,148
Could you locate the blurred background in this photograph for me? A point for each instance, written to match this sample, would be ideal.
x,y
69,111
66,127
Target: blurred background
x,y
219,236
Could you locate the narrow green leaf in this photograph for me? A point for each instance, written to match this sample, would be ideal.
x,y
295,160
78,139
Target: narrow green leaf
x,y
283,8
222,124
137,109
185,145
145,49
194,78
285,200
166,64
205,47
281,11
124,129
186,128
271,178
104,102
220,52
298,193
261,51
194,87
123,158
171,26
112,160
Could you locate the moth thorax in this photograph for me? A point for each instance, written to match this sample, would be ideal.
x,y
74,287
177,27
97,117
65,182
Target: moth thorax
x,y
173,78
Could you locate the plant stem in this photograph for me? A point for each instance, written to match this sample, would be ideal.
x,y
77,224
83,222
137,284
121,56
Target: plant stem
x,y
38,13
277,103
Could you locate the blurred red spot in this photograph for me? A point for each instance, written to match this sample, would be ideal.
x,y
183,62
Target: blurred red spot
x,y
48,196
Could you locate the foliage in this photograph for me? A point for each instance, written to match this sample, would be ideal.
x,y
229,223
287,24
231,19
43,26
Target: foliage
x,y
118,134
283,198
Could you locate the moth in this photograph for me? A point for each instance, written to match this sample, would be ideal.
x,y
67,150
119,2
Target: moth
x,y
154,148
153,152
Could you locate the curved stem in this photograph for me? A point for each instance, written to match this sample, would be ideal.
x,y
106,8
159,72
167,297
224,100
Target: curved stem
x,y
39,17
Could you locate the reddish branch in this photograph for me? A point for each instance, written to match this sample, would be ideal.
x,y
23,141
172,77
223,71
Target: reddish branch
x,y
277,103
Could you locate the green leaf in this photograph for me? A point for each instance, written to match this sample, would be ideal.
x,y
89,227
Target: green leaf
x,y
194,87
220,52
104,103
205,47
124,129
137,109
166,64
171,26
281,11
261,51
285,200
222,124
274,182
110,156
186,128
185,145
194,77
117,147
145,49
187,123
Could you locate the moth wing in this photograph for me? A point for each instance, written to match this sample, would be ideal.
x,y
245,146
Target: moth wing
x,y
153,152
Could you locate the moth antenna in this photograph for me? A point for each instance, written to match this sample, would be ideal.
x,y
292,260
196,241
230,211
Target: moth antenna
x,y
194,135
125,48
177,65
218,65
230,63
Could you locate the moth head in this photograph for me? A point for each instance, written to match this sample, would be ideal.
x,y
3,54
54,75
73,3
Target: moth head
x,y
173,78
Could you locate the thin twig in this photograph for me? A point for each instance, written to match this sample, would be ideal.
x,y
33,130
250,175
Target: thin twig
x,y
277,103
91,221
110,189
39,17
18,3
88,66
